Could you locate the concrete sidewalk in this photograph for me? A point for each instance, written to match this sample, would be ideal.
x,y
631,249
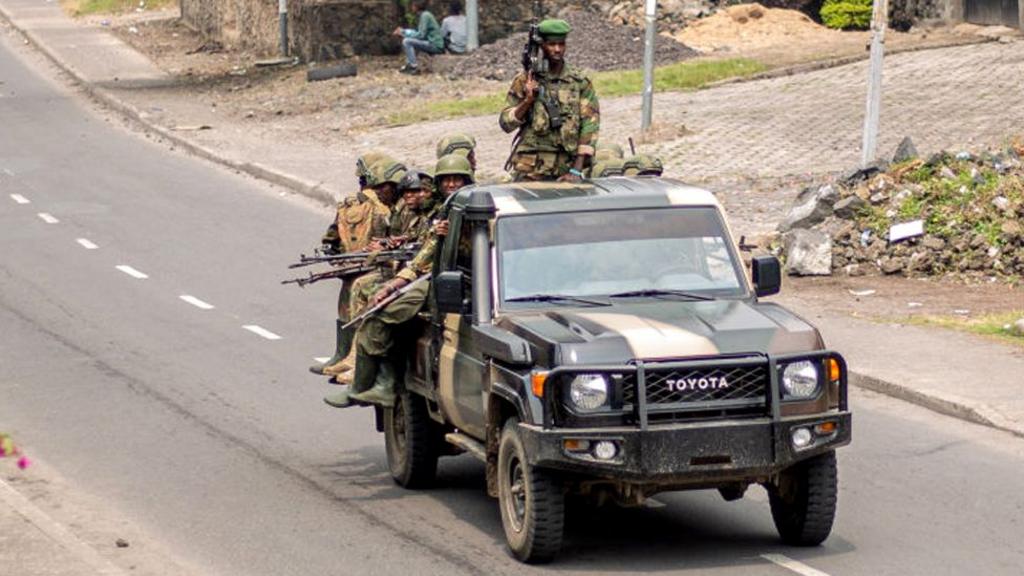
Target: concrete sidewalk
x,y
954,373
957,374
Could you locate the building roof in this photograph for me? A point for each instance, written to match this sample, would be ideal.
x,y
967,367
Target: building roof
x,y
614,193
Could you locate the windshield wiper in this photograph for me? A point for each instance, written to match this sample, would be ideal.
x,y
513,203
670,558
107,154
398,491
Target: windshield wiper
x,y
661,292
556,298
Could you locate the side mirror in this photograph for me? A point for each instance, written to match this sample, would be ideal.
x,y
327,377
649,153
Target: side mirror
x,y
767,275
450,292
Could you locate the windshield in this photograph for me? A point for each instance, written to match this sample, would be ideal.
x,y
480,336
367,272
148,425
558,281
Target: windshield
x,y
625,253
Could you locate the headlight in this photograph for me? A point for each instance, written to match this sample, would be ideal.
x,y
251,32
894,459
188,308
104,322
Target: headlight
x,y
800,379
588,391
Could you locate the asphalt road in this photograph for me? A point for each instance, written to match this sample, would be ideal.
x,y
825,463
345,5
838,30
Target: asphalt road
x,y
212,439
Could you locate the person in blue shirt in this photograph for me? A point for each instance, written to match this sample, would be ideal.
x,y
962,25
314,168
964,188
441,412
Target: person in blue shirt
x,y
425,38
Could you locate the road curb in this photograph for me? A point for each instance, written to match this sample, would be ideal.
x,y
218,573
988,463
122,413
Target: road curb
x,y
314,190
937,404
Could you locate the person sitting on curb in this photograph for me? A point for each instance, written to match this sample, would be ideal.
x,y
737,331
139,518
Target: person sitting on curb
x,y
453,28
425,38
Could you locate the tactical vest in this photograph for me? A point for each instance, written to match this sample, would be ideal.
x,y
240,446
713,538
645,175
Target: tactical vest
x,y
566,90
360,219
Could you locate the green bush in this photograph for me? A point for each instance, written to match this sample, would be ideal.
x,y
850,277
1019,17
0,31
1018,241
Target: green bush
x,y
846,14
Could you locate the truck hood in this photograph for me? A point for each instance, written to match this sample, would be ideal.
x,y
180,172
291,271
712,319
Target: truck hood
x,y
663,329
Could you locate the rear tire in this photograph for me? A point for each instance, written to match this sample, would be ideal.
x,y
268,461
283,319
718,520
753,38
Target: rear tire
x,y
803,500
531,499
411,441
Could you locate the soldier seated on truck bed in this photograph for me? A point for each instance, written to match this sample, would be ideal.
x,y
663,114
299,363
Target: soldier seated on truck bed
x,y
375,373
357,220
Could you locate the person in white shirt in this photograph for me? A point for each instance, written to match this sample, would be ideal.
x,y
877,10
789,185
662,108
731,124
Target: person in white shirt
x,y
453,28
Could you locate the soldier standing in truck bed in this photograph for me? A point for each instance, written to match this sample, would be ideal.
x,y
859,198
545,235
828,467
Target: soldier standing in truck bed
x,y
556,112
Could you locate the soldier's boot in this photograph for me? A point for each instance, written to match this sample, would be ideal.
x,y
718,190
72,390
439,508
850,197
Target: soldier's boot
x,y
349,363
365,374
383,391
342,345
345,348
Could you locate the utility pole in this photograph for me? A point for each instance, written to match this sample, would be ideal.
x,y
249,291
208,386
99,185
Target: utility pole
x,y
869,147
472,25
282,10
650,22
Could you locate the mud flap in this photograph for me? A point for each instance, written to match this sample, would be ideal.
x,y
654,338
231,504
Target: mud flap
x,y
378,418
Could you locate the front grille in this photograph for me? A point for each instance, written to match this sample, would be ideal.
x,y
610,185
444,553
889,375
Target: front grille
x,y
699,385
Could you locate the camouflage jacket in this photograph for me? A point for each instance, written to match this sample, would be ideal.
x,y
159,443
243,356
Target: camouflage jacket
x,y
423,262
581,114
357,221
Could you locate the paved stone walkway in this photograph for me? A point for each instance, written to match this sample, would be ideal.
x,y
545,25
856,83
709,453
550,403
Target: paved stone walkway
x,y
801,124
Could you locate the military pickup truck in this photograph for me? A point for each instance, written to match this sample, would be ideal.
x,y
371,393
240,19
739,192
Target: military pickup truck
x,y
604,340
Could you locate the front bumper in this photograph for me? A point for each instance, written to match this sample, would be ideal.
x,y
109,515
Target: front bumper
x,y
687,454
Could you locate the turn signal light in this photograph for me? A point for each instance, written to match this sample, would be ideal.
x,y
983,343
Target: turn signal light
x,y
825,428
537,380
833,370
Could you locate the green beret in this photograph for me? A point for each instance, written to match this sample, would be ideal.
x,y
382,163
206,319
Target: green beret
x,y
553,29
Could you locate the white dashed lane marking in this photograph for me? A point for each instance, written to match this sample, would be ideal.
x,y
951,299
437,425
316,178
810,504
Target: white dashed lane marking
x,y
322,359
261,332
48,218
87,244
20,199
132,272
196,302
793,565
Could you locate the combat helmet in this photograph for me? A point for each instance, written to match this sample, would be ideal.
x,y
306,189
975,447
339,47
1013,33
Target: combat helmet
x,y
387,170
411,181
365,162
606,151
456,143
606,168
643,165
451,164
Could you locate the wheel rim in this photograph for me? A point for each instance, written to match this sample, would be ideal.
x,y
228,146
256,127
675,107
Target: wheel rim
x,y
516,505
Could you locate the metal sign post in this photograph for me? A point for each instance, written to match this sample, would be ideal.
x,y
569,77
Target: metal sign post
x,y
472,25
650,11
869,147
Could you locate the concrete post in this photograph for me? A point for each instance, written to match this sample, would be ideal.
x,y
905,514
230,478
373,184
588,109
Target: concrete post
x,y
869,147
472,25
282,10
650,22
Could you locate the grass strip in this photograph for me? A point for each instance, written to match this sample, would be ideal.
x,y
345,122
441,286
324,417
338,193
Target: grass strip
x,y
997,326
87,7
681,76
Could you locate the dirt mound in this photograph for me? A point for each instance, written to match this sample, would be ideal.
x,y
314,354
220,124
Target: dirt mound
x,y
594,44
751,27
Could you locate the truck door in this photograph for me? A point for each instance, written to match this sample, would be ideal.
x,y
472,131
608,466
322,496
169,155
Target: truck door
x,y
462,370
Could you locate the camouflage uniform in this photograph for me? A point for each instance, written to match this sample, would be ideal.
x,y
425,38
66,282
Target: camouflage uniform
x,y
544,154
413,224
376,372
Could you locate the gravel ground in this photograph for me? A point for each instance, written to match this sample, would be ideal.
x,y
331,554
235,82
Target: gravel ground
x,y
593,44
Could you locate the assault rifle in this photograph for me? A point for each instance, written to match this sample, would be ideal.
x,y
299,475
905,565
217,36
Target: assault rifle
x,y
403,254
342,272
387,301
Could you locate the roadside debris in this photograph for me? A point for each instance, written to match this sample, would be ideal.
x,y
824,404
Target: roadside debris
x,y
952,214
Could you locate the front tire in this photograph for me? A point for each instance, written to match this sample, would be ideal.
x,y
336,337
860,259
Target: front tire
x,y
411,441
803,500
531,499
